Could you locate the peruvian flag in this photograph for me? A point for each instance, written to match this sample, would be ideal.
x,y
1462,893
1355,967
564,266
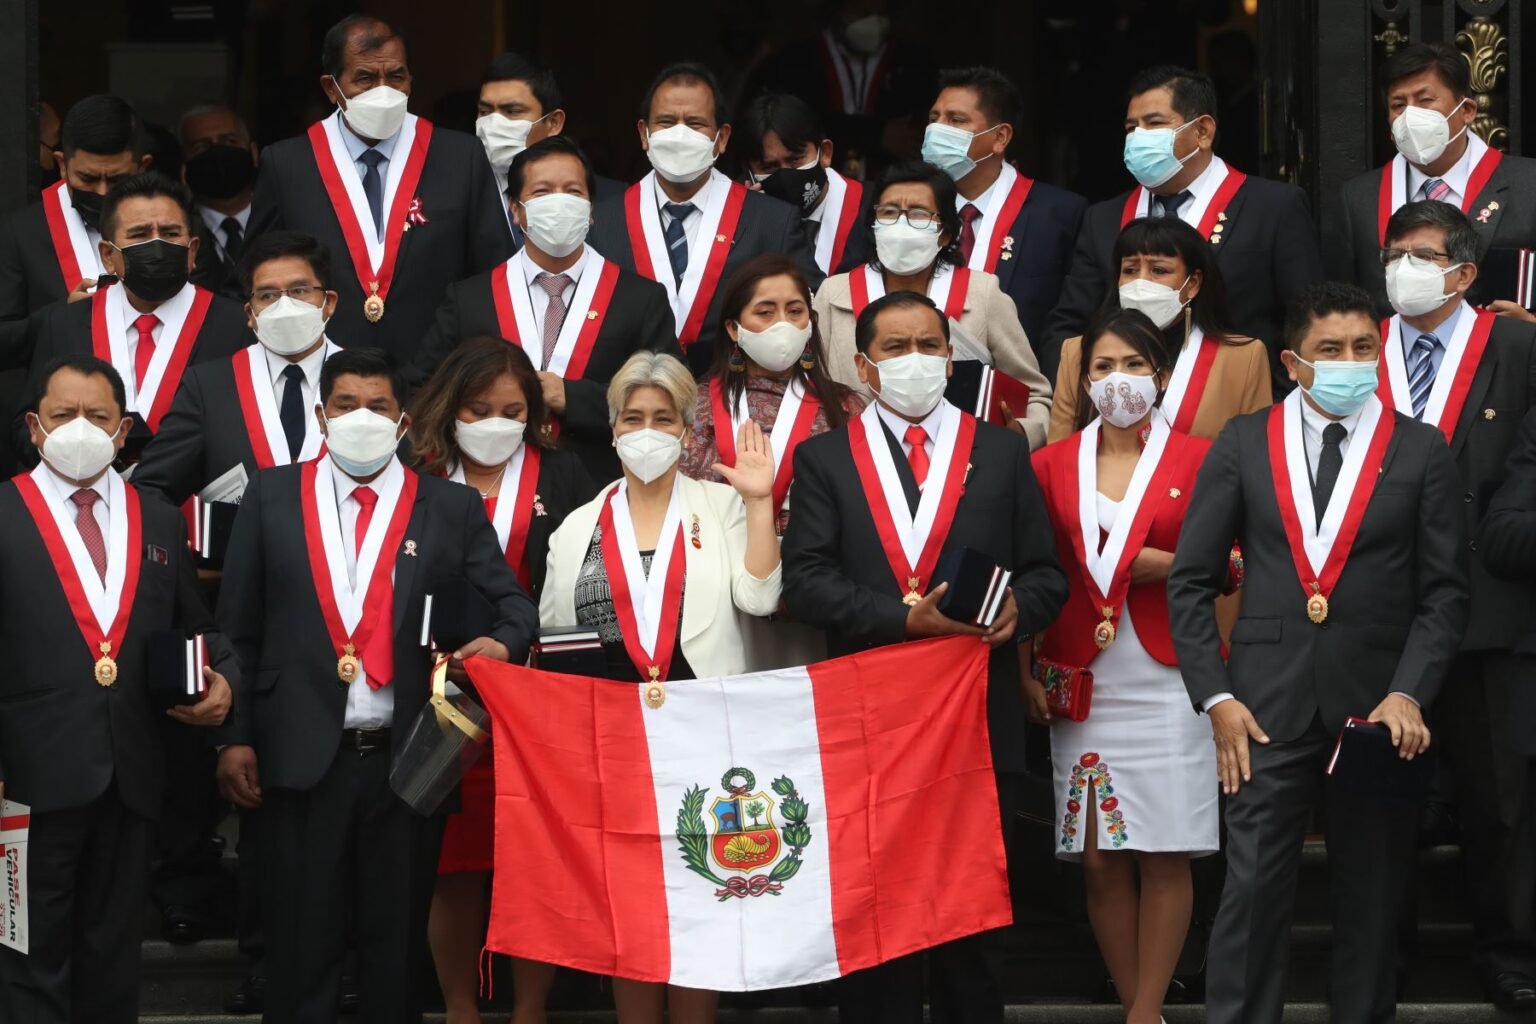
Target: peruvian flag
x,y
751,832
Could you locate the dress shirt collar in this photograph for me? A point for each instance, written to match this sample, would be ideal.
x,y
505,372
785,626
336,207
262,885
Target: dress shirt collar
x,y
310,364
1443,331
699,199
1207,181
532,270
1313,424
356,146
898,426
392,479
981,201
215,220
61,489
1458,176
172,309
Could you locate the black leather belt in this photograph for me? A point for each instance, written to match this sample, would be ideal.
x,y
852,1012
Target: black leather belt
x,y
366,741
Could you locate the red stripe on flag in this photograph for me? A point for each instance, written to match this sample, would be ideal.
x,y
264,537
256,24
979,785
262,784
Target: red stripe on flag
x,y
912,817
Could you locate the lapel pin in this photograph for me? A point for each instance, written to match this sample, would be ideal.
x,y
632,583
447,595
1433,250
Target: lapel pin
x,y
1489,414
1486,212
410,548
591,314
1221,215
1174,492
694,533
538,506
720,238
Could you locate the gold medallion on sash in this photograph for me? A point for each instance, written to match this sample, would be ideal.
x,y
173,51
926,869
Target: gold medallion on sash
x,y
373,305
1104,632
106,667
348,666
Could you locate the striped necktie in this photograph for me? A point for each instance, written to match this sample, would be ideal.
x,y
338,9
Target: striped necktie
x,y
1421,375
1436,190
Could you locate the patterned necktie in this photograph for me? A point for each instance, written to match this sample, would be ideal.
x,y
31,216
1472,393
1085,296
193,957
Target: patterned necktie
x,y
1329,461
968,215
1436,190
917,455
145,350
291,412
234,238
1169,206
554,313
373,187
1421,375
676,237
90,529
379,652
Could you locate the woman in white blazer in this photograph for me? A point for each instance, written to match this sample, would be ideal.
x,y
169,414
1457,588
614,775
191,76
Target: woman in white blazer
x,y
667,570
914,230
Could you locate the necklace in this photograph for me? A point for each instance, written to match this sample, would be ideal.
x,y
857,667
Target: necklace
x,y
495,482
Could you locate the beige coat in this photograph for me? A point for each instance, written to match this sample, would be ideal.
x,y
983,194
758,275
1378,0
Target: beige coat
x,y
989,316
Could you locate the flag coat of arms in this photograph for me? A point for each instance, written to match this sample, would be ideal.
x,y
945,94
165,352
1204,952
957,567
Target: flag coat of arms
x,y
754,831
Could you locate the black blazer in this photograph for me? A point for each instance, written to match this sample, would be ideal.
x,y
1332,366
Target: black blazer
x,y
836,573
639,317
292,707
466,232
1044,233
1508,539
1268,254
29,270
1352,234
766,225
1395,619
63,738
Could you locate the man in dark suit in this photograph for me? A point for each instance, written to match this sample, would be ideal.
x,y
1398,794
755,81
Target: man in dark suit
x,y
220,170
1472,373
1020,229
337,679
1261,230
154,323
687,225
410,206
788,155
89,573
838,573
1428,95
1354,602
1508,547
577,315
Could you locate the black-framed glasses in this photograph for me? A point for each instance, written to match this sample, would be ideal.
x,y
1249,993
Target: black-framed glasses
x,y
1423,255
310,293
921,219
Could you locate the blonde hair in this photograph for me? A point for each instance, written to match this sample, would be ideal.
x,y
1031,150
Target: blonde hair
x,y
655,370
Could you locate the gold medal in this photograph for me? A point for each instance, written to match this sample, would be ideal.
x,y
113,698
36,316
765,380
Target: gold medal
x,y
912,596
1317,605
1104,632
373,305
654,693
348,666
106,668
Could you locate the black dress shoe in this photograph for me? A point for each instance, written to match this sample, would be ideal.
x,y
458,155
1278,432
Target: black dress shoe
x,y
249,998
181,928
1512,990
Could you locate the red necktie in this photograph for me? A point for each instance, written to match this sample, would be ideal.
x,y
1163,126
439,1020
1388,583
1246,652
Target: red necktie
x,y
145,351
90,529
379,651
968,215
917,458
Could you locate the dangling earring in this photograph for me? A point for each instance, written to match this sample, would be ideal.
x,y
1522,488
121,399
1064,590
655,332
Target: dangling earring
x,y
738,362
1189,316
807,359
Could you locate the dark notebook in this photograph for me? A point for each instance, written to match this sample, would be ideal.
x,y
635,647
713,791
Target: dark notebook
x,y
977,586
572,651
212,524
175,664
1365,762
457,613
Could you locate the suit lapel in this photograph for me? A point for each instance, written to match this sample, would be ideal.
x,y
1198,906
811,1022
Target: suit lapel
x,y
1482,380
1234,221
405,564
1019,232
1486,209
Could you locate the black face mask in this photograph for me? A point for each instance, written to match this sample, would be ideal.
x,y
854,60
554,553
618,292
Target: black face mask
x,y
154,270
221,172
88,206
796,187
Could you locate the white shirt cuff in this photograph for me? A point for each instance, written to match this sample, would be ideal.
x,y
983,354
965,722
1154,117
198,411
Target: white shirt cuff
x,y
1212,701
1400,693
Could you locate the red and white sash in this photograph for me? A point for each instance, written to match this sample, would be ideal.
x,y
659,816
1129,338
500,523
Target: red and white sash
x,y
791,425
1008,195
1107,573
101,607
1205,212
181,318
352,611
511,511
1453,381
847,96
1393,191
948,288
583,318
716,229
1320,551
840,215
1191,372
78,258
912,543
647,606
373,258
258,408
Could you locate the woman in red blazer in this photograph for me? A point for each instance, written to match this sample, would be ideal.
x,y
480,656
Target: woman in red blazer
x,y
1136,780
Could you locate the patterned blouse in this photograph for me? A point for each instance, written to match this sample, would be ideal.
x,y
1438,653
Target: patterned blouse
x,y
594,609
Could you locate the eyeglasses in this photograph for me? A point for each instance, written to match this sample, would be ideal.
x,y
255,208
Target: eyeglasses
x,y
1391,256
917,218
310,293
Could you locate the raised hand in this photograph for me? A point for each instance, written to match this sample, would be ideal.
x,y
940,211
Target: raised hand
x,y
752,476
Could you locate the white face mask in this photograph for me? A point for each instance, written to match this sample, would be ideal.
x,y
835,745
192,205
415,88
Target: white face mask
x,y
679,153
288,326
1422,134
79,450
377,113
491,441
776,347
911,384
1123,399
904,249
361,441
1415,287
866,35
648,453
1160,303
557,223
503,138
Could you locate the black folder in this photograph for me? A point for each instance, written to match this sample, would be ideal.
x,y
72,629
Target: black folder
x,y
175,665
977,586
458,614
1365,762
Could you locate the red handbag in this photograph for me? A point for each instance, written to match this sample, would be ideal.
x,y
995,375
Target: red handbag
x,y
1068,689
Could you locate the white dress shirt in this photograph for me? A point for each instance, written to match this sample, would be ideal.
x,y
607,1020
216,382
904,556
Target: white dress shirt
x,y
700,200
1202,189
215,221
898,427
981,201
59,490
1457,177
538,298
310,365
367,708
174,308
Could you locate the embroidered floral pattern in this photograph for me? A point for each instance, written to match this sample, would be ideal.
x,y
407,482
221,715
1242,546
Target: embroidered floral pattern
x,y
1090,770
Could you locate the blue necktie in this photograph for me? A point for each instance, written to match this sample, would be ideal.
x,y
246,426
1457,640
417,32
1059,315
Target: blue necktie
x,y
1421,375
291,412
1169,206
677,238
373,187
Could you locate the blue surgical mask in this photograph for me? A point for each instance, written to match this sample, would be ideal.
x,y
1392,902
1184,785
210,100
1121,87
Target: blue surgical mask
x,y
1341,386
949,148
1149,154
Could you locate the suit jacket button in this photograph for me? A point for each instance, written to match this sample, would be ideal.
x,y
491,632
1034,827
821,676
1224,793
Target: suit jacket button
x,y
1324,624
1467,497
1472,545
